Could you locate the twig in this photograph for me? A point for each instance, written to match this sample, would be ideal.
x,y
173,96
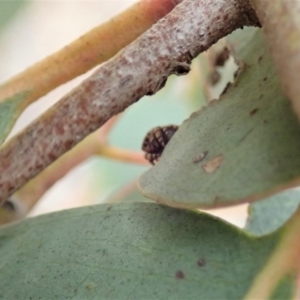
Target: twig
x,y
95,144
140,69
30,193
107,128
127,156
297,292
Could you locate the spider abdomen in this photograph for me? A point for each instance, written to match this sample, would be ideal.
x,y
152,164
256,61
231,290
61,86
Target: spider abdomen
x,y
156,140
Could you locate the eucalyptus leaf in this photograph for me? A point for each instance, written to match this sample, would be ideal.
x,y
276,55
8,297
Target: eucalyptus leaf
x,y
8,9
248,141
9,112
129,251
268,215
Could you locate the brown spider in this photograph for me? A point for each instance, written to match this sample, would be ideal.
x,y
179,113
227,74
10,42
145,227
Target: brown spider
x,y
156,140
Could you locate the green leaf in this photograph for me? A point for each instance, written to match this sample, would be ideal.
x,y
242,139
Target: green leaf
x,y
9,113
251,136
268,215
8,9
128,251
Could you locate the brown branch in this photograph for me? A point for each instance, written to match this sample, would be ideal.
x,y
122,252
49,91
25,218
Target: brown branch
x,y
281,26
88,51
140,69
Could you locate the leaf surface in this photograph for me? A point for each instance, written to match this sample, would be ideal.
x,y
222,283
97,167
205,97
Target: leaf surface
x,y
129,251
251,137
268,215
8,10
9,113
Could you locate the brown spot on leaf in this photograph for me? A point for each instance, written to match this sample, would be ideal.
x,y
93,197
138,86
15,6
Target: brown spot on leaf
x,y
212,165
221,57
200,157
179,275
253,111
201,262
214,77
90,286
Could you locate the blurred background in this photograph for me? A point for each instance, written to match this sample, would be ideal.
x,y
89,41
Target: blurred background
x,y
31,30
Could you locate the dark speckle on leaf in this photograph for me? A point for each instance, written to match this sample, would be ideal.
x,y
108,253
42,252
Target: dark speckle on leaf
x,y
179,275
253,111
201,262
222,57
90,286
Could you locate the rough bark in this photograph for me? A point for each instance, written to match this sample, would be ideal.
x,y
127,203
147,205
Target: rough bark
x,y
142,68
91,49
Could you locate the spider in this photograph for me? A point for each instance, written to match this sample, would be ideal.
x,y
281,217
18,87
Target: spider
x,y
156,140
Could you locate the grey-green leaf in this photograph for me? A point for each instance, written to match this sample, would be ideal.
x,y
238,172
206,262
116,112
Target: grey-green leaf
x,y
10,107
129,251
9,113
251,137
270,214
8,9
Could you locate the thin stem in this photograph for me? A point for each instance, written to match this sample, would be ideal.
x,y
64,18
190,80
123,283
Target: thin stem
x,y
123,155
30,194
107,128
286,258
